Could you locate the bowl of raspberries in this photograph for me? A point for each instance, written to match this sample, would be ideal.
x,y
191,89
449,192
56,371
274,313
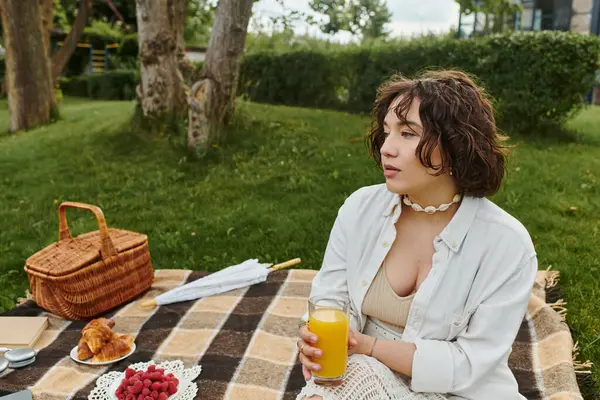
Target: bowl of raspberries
x,y
149,381
150,384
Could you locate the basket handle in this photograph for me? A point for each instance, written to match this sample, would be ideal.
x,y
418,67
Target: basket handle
x,y
107,247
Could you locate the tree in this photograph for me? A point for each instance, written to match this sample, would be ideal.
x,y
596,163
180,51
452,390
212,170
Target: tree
x,y
31,99
498,10
180,11
160,25
61,58
198,21
46,14
212,98
364,18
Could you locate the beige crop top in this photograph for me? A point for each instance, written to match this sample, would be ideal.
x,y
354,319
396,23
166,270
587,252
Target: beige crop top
x,y
382,303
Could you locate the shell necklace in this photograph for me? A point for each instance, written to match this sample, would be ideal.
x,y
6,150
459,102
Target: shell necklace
x,y
430,209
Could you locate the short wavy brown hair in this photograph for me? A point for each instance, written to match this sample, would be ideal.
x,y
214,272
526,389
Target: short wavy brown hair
x,y
457,117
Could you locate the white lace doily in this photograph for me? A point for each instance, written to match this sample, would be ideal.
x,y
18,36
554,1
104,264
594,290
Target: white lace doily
x,y
107,384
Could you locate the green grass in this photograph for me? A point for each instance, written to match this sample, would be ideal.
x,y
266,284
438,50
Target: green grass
x,y
272,192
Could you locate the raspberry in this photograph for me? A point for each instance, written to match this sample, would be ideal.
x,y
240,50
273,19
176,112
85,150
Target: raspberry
x,y
176,381
163,396
151,368
164,386
156,376
148,398
172,388
146,375
146,391
147,383
162,371
130,397
154,394
129,373
140,397
156,386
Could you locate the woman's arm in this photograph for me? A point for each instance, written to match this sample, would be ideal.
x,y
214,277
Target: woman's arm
x,y
331,280
397,355
444,367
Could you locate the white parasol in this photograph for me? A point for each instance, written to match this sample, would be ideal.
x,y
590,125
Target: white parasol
x,y
248,273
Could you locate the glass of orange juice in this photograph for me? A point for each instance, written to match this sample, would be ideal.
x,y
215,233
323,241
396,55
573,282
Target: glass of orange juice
x,y
330,323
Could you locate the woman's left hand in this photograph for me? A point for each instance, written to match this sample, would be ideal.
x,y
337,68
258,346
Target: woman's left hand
x,y
363,342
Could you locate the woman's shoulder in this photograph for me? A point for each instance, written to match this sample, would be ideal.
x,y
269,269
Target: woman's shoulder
x,y
502,228
372,198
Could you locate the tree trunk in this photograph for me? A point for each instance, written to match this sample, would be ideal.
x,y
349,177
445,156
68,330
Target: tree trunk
x,y
60,59
162,90
185,66
212,99
30,95
47,14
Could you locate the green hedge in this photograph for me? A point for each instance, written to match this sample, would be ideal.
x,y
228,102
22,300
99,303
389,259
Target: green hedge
x,y
113,85
301,78
535,77
127,52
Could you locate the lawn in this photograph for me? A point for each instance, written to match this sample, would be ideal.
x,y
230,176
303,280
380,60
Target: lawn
x,y
272,192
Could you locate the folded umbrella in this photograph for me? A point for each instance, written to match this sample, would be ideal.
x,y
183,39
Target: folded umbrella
x,y
248,273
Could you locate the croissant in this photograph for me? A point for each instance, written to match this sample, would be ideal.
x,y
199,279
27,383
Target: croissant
x,y
95,323
118,347
83,350
97,333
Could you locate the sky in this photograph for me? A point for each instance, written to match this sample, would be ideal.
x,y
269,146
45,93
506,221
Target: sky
x,y
409,17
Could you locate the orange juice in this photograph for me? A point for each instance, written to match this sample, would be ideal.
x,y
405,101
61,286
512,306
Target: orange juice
x,y
331,327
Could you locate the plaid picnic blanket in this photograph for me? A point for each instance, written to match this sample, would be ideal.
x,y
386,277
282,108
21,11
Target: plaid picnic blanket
x,y
245,341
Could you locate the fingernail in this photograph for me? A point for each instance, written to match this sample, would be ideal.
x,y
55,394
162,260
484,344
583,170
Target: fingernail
x,y
317,368
313,339
318,353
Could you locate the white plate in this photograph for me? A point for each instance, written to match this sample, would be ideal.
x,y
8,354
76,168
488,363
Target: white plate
x,y
107,384
89,360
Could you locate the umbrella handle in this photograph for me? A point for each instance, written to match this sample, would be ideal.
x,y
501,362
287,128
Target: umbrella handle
x,y
148,303
286,264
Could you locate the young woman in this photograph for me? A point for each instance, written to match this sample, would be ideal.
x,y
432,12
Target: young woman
x,y
438,277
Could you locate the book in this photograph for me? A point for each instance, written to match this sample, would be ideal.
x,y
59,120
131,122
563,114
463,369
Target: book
x,y
19,332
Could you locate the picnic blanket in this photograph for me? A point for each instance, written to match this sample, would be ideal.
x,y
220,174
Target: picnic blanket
x,y
245,341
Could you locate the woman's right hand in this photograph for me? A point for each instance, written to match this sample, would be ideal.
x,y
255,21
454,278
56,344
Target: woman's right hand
x,y
307,352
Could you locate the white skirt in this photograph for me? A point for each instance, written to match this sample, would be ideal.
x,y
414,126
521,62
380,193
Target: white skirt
x,y
368,379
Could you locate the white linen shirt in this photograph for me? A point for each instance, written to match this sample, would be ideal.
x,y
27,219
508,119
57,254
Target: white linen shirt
x,y
465,316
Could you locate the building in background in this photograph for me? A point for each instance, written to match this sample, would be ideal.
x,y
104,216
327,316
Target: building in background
x,y
581,16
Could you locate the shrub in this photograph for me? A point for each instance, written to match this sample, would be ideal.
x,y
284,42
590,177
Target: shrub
x,y
535,77
127,52
101,33
302,78
112,85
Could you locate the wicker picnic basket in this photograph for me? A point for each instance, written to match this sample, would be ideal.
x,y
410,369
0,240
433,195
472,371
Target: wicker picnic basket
x,y
80,278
